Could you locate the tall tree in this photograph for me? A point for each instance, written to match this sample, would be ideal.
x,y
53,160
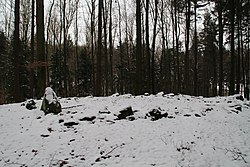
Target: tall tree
x,y
220,20
195,50
98,84
41,71
232,47
186,60
111,46
153,48
138,49
32,46
65,50
16,51
176,24
3,67
239,73
106,66
148,65
209,56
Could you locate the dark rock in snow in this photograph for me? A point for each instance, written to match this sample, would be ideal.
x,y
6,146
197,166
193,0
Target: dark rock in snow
x,y
238,108
31,104
125,113
102,157
61,120
156,114
208,109
187,115
70,124
104,112
197,115
54,108
44,135
88,118
50,130
131,118
240,97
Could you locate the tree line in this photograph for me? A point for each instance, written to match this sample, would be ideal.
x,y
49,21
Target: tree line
x,y
101,47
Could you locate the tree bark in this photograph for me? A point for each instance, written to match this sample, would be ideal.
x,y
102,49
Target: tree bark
x,y
238,69
232,49
93,44
41,71
177,47
186,61
16,51
153,48
98,89
105,17
32,45
111,47
221,76
138,49
148,65
195,50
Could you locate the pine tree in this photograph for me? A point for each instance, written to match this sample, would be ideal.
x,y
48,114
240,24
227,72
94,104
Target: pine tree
x,y
56,69
84,74
210,55
24,74
3,65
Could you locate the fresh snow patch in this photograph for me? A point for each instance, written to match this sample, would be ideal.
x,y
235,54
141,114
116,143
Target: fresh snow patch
x,y
195,132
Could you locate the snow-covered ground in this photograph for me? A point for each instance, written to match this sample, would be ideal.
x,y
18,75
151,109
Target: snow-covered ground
x,y
90,131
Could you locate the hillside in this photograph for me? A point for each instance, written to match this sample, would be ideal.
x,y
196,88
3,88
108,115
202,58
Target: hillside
x,y
140,131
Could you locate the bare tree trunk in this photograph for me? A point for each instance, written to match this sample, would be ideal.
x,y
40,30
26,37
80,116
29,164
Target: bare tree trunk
x,y
221,76
65,67
232,49
169,79
173,85
186,71
111,47
76,47
32,75
105,17
163,53
47,40
98,89
148,69
177,47
238,71
16,51
120,53
41,71
93,43
248,61
153,47
138,49
195,50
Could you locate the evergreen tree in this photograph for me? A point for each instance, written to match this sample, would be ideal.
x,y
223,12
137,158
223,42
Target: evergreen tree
x,y
3,66
210,55
25,55
84,74
57,70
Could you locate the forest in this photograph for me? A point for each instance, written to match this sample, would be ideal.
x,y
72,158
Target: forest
x,y
102,47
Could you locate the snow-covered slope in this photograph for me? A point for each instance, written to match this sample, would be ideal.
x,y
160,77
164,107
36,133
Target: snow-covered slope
x,y
91,131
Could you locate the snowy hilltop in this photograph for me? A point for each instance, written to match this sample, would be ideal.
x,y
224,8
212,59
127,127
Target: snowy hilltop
x,y
128,131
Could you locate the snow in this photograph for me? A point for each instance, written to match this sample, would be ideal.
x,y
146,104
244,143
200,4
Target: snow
x,y
50,95
198,132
